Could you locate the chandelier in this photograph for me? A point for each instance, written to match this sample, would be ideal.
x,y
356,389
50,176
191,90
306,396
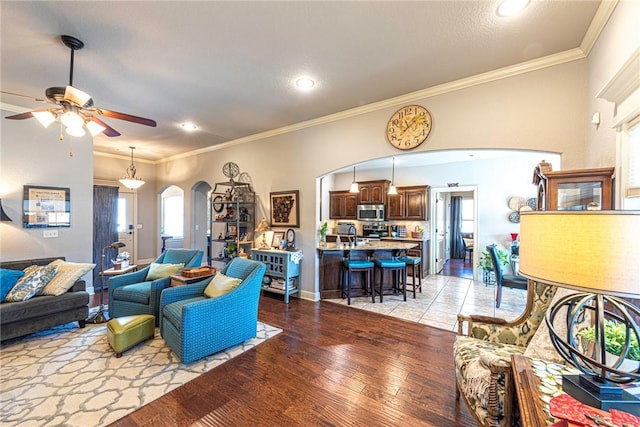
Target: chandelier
x,y
131,181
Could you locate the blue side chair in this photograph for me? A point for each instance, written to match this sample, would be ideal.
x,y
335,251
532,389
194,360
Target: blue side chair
x,y
132,293
195,326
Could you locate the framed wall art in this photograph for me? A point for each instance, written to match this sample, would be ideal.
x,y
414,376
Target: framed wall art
x,y
278,236
45,207
285,209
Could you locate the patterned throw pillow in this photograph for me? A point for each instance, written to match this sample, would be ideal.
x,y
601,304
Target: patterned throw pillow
x,y
31,283
220,285
68,273
8,279
158,271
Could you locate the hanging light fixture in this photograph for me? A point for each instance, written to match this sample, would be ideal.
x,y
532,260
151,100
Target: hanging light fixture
x,y
131,181
354,185
392,187
75,124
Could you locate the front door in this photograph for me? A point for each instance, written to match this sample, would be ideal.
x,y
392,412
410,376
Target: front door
x,y
126,225
441,250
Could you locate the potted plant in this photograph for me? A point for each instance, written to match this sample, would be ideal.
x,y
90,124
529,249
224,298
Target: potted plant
x,y
615,336
323,234
485,263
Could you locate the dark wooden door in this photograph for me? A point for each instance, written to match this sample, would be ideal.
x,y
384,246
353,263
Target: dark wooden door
x,y
105,228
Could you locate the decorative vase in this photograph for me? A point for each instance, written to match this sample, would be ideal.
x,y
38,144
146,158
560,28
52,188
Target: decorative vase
x,y
323,239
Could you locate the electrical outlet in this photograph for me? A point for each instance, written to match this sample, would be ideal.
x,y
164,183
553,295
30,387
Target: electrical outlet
x,y
49,233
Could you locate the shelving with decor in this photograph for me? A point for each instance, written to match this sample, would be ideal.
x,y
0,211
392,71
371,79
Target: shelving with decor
x,y
283,271
232,220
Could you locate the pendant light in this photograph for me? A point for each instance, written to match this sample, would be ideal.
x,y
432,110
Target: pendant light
x,y
354,185
392,187
131,181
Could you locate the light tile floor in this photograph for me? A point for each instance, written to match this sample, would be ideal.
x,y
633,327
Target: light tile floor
x,y
442,298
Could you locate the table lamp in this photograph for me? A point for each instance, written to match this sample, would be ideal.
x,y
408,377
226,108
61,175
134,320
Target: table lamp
x,y
99,317
596,253
263,227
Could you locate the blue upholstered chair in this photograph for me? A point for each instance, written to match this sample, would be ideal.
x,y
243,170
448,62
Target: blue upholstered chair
x,y
195,326
132,293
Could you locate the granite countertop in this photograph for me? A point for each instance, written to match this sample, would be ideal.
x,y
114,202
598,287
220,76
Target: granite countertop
x,y
370,246
406,239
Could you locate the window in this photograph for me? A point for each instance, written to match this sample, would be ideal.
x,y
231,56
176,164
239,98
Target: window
x,y
467,216
633,170
122,215
172,223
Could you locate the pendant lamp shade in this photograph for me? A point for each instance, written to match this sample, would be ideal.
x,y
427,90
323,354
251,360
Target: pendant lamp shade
x,y
131,181
354,185
392,187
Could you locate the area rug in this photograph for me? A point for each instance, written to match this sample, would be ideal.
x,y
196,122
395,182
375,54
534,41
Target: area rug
x,y
68,376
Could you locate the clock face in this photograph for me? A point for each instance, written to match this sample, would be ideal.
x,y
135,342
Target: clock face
x,y
409,127
291,236
230,170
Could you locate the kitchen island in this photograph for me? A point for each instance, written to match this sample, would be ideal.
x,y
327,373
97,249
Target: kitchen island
x,y
331,257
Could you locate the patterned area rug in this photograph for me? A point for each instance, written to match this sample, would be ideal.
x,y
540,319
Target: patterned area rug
x,y
70,376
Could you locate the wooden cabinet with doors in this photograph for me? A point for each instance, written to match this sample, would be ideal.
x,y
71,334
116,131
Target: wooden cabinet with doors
x,y
575,189
373,192
411,203
342,205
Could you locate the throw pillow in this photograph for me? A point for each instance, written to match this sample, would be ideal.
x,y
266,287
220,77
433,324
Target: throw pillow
x,y
68,273
158,271
8,279
220,285
31,284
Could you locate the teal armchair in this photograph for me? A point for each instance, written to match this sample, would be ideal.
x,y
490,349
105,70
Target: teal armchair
x,y
195,326
132,293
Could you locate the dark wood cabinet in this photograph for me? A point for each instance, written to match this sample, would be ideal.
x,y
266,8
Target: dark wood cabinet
x,y
342,205
411,203
574,189
373,192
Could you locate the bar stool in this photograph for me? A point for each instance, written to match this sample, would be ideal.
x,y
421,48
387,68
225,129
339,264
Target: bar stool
x,y
415,262
398,271
356,266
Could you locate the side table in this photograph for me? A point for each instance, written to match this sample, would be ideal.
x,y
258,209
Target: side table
x,y
112,272
177,280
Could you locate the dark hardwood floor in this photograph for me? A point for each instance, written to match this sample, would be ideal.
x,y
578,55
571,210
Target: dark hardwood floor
x,y
331,366
458,268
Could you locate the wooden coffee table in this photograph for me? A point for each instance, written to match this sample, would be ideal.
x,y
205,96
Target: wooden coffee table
x,y
177,280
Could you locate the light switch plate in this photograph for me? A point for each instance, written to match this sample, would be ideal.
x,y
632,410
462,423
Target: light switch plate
x,y
49,233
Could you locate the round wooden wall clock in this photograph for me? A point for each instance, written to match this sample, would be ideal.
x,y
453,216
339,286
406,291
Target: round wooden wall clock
x,y
409,127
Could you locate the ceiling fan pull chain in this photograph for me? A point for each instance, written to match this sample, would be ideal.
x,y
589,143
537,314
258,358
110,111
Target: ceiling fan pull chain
x,y
61,135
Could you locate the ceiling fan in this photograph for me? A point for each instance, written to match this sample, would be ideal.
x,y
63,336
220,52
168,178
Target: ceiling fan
x,y
74,107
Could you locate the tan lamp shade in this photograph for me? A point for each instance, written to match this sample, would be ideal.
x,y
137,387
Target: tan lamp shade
x,y
590,251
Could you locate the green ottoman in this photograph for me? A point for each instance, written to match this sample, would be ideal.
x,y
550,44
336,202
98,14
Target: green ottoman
x,y
125,332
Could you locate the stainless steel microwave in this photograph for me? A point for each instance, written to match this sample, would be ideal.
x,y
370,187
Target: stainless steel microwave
x,y
370,212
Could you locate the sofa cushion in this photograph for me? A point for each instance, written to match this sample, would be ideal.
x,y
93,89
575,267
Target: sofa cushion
x,y
68,273
158,271
32,283
8,279
138,292
471,356
40,306
220,285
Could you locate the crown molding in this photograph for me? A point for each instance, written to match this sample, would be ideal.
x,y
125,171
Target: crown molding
x,y
598,23
490,76
124,157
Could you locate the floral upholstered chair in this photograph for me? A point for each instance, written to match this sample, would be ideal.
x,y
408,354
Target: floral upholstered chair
x,y
482,356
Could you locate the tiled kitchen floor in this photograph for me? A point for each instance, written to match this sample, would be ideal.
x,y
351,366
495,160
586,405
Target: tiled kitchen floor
x,y
442,298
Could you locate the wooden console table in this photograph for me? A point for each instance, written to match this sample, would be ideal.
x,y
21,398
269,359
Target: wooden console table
x,y
526,385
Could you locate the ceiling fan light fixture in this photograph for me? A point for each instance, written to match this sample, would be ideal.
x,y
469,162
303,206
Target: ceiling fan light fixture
x,y
130,181
94,128
72,120
44,117
76,131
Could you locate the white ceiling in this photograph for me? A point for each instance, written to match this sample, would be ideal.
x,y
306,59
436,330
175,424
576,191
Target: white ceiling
x,y
229,66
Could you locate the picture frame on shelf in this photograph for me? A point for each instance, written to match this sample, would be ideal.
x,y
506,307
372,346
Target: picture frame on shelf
x,y
278,236
285,208
46,207
232,230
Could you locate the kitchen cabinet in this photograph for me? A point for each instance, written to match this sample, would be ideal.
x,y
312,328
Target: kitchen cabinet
x,y
282,273
342,205
574,189
373,192
411,203
232,220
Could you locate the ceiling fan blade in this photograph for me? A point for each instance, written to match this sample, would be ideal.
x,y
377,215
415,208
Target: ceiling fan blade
x,y
27,115
124,116
77,97
24,96
108,131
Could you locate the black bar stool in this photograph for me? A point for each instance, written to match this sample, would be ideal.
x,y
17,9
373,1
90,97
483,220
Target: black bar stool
x,y
350,266
398,270
415,262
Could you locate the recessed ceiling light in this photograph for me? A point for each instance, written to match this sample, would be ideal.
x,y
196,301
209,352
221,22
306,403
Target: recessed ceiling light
x,y
305,83
511,7
188,126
